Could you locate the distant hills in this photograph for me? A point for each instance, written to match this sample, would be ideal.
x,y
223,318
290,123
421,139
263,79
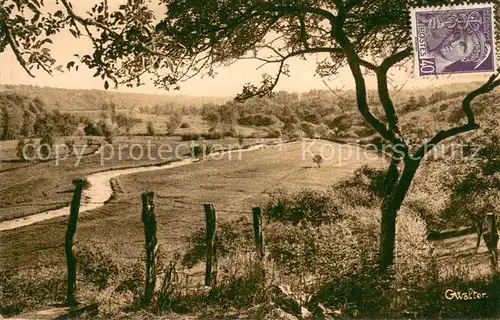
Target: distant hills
x,y
83,100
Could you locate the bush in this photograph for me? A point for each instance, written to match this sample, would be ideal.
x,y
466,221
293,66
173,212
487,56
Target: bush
x,y
257,119
30,289
309,129
241,139
107,130
322,251
273,133
232,237
306,206
404,293
365,187
340,123
185,125
22,149
201,151
190,136
364,131
231,132
150,128
96,265
214,135
241,284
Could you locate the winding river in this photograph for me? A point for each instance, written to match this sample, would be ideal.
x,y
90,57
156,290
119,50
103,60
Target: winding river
x,y
100,190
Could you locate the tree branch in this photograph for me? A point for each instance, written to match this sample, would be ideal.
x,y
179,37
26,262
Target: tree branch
x,y
247,93
354,63
292,9
488,86
383,90
15,49
303,33
395,58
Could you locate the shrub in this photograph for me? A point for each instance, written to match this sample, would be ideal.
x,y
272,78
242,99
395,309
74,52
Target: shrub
x,y
257,119
273,133
364,131
322,251
308,128
213,135
150,128
308,206
30,289
232,237
190,136
201,151
404,292
126,123
107,130
24,153
70,143
185,125
456,115
241,139
231,132
240,283
365,178
45,148
97,265
340,123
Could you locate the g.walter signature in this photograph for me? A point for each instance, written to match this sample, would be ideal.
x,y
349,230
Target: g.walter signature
x,y
471,294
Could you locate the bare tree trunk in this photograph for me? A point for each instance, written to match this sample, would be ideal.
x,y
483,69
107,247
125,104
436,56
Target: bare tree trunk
x,y
390,207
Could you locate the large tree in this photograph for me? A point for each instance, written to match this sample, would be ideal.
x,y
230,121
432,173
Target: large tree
x,y
366,36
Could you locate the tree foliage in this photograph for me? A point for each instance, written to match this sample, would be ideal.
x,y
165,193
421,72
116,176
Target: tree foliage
x,y
120,38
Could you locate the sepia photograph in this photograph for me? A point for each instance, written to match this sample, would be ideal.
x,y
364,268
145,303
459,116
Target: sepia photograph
x,y
249,159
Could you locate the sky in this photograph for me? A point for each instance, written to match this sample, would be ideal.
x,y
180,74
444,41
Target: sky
x,y
228,81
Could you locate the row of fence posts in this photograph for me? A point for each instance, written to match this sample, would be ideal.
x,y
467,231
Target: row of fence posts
x,y
151,243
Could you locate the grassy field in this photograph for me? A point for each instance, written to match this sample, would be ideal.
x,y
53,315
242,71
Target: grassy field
x,y
32,187
233,186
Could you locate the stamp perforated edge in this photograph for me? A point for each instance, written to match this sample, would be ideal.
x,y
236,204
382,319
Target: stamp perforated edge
x,y
413,20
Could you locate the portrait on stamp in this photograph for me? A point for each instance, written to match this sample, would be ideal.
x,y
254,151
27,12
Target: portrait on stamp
x,y
452,40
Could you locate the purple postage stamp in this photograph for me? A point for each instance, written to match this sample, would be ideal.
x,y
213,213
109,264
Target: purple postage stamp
x,y
454,39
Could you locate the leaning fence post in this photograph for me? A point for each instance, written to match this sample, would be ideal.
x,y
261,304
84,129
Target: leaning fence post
x,y
257,232
69,243
151,244
210,276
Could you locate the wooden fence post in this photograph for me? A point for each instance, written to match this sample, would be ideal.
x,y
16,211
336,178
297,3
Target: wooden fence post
x,y
211,259
257,232
69,243
491,240
151,244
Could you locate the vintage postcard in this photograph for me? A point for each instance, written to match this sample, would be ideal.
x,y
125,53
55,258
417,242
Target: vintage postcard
x,y
249,159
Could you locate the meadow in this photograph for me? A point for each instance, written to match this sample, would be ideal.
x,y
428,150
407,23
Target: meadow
x,y
321,222
233,186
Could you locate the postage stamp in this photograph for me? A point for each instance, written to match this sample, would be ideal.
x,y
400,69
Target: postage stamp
x,y
454,39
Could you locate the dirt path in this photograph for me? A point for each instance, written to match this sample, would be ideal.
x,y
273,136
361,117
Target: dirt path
x,y
100,190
